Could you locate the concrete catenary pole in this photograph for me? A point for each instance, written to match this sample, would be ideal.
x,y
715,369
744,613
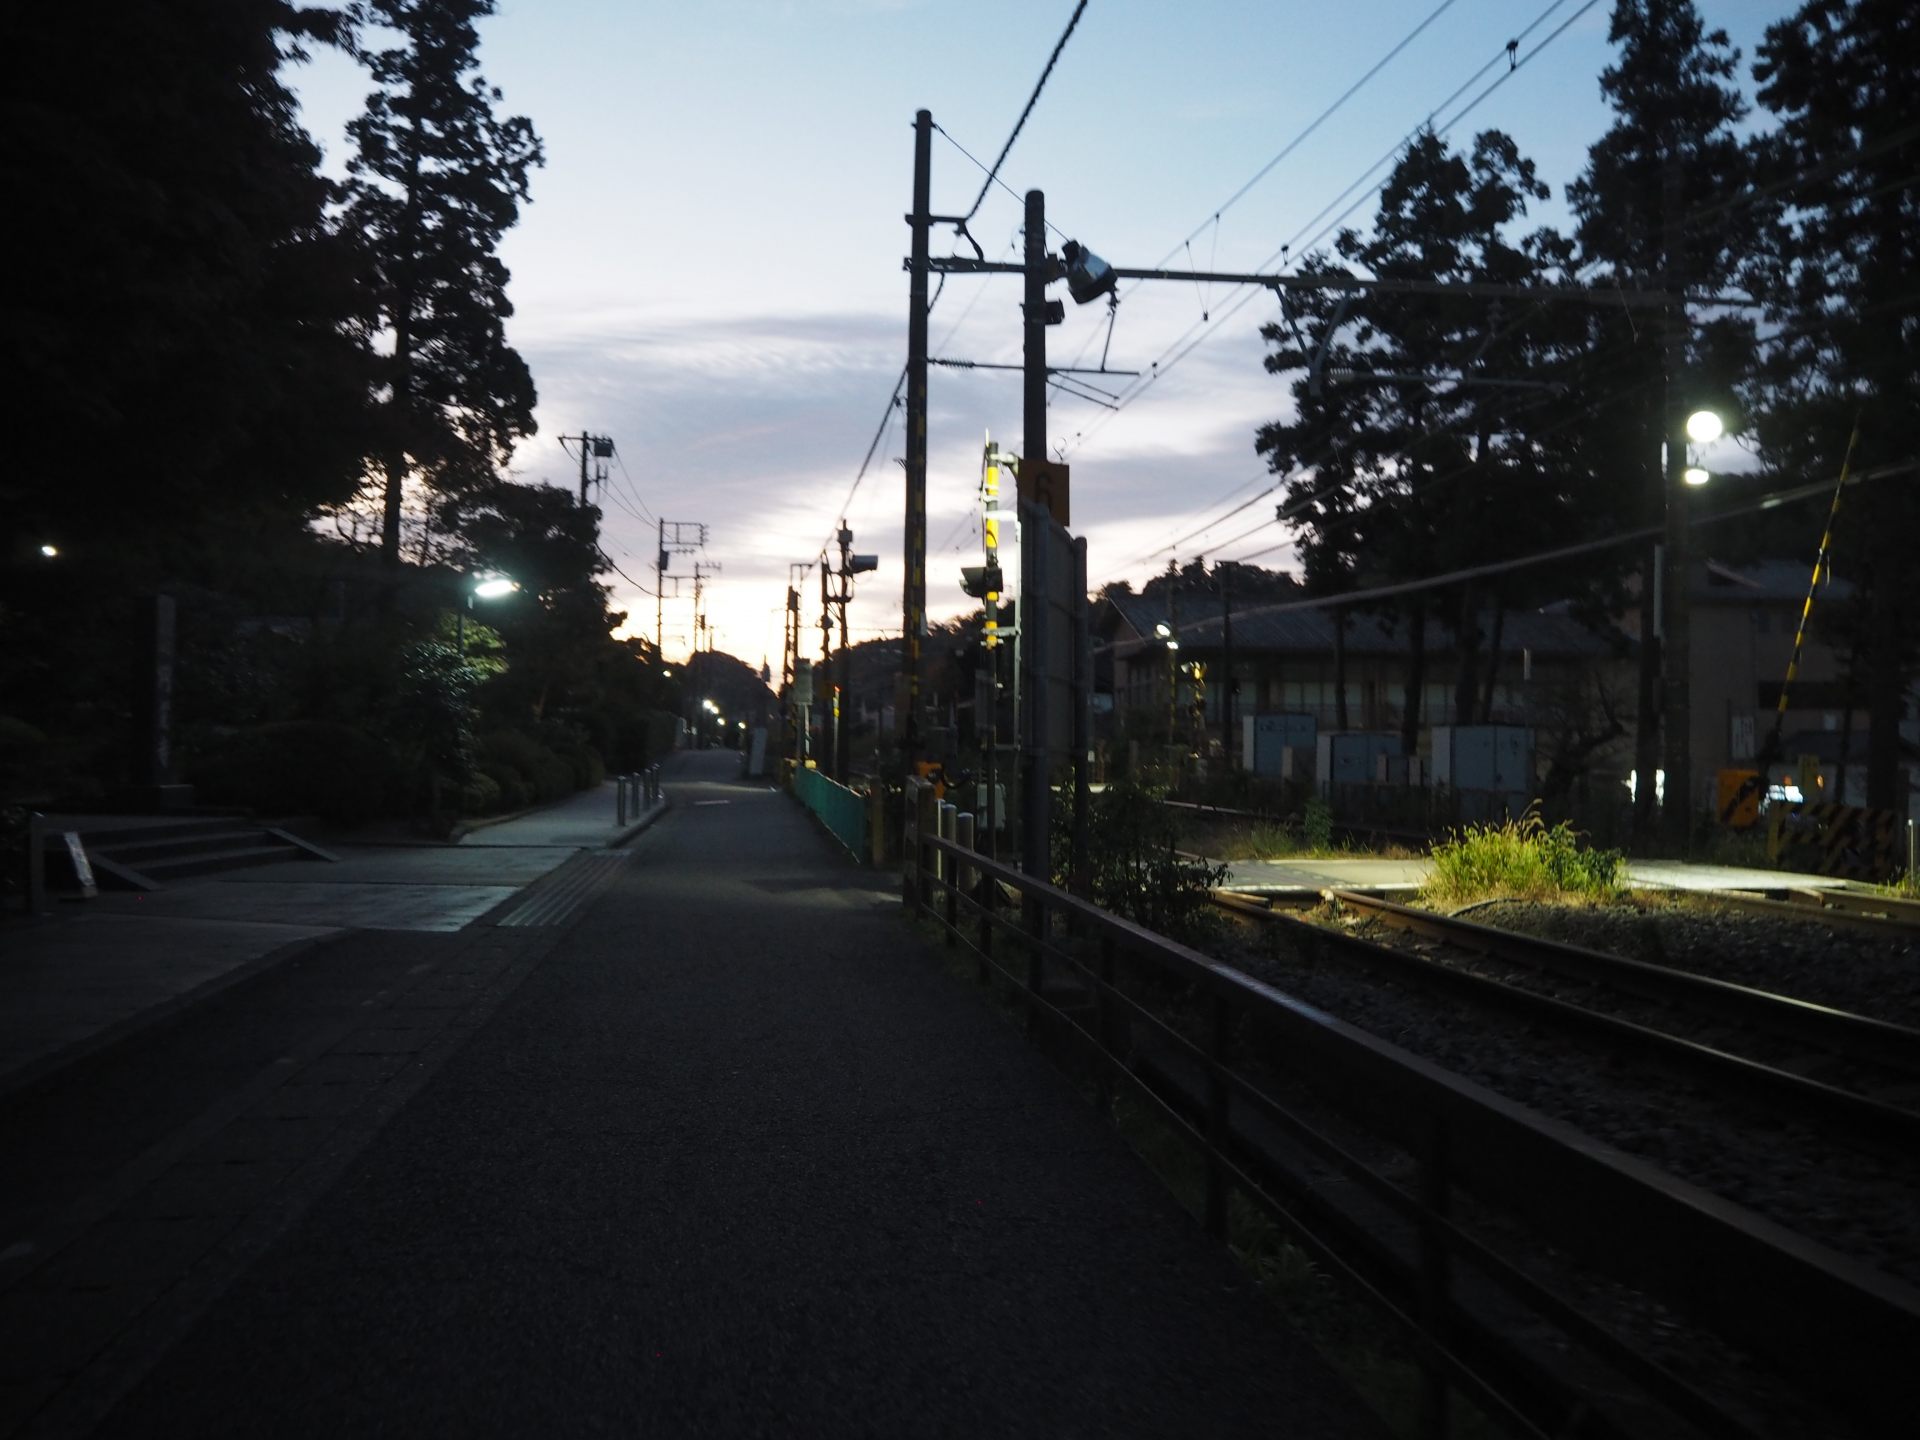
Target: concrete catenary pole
x,y
913,605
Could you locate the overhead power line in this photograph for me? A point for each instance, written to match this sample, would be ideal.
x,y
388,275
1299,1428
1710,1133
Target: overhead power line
x,y
1567,552
1189,341
1019,124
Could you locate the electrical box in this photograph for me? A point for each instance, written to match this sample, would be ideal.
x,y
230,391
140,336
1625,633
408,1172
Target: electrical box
x,y
1265,738
1484,757
1350,757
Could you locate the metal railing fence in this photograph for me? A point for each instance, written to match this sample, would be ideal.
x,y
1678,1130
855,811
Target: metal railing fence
x,y
1423,1232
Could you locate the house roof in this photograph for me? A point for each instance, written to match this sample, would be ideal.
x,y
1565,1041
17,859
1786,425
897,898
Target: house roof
x,y
1298,628
1760,581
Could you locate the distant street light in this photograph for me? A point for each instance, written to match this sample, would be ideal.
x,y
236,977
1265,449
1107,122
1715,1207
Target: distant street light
x,y
50,551
1694,475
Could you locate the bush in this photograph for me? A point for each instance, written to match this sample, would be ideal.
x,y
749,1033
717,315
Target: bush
x,y
513,790
1132,866
300,767
25,762
1522,859
545,775
479,796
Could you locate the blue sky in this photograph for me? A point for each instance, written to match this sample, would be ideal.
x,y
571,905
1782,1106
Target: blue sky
x,y
710,270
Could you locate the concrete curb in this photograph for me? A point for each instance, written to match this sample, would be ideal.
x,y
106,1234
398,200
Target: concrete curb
x,y
659,808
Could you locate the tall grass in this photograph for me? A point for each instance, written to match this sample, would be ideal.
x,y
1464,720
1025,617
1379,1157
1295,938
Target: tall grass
x,y
1522,859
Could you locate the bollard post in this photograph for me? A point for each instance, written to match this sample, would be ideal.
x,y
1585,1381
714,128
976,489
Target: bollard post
x,y
943,863
36,864
926,823
620,801
963,836
909,840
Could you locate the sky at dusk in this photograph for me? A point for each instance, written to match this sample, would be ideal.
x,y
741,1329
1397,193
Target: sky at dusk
x,y
711,268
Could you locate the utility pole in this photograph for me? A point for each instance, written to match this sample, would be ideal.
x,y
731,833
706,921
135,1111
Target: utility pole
x,y
1675,651
830,749
843,689
1226,666
914,584
1036,795
677,537
597,447
701,569
990,531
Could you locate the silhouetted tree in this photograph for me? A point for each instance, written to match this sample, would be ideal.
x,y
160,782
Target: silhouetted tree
x,y
184,343
1838,276
438,178
180,339
1407,443
1658,199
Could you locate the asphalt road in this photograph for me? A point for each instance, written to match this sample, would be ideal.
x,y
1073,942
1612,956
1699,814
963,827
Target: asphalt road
x,y
727,1153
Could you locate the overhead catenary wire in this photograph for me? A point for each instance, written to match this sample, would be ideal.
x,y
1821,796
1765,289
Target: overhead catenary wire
x,y
1018,125
1294,144
1772,501
1189,340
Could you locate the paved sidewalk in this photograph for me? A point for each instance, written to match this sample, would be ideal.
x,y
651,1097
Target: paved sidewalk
x,y
94,970
738,1157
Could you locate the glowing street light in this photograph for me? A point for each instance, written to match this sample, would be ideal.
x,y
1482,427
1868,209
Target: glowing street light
x,y
1704,427
1694,475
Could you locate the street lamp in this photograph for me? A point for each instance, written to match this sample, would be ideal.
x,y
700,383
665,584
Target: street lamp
x,y
484,585
1704,427
1684,473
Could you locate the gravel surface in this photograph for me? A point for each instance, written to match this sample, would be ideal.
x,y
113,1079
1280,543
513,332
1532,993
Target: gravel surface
x,y
1846,969
1858,1201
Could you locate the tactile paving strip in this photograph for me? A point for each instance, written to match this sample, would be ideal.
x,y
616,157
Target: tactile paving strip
x,y
567,890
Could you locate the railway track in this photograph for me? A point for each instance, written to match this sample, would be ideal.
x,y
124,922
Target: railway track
x,y
1881,1058
1856,910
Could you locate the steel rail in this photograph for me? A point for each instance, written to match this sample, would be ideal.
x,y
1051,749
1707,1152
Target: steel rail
x,y
1840,1031
1872,1119
1846,914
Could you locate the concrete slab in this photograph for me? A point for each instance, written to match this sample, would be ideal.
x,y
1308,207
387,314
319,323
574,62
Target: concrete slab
x,y
364,905
69,980
1289,876
416,865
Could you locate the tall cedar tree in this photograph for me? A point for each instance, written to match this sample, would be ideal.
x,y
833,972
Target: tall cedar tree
x,y
1672,140
437,180
1839,279
183,337
183,331
1406,443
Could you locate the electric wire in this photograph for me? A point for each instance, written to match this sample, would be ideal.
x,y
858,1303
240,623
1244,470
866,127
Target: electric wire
x,y
1772,501
634,486
1018,125
1293,144
992,177
1189,341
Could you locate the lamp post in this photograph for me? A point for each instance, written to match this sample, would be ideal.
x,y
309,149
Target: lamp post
x,y
1164,632
485,585
1701,427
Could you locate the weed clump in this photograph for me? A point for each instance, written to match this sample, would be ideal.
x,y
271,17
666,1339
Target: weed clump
x,y
1523,859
